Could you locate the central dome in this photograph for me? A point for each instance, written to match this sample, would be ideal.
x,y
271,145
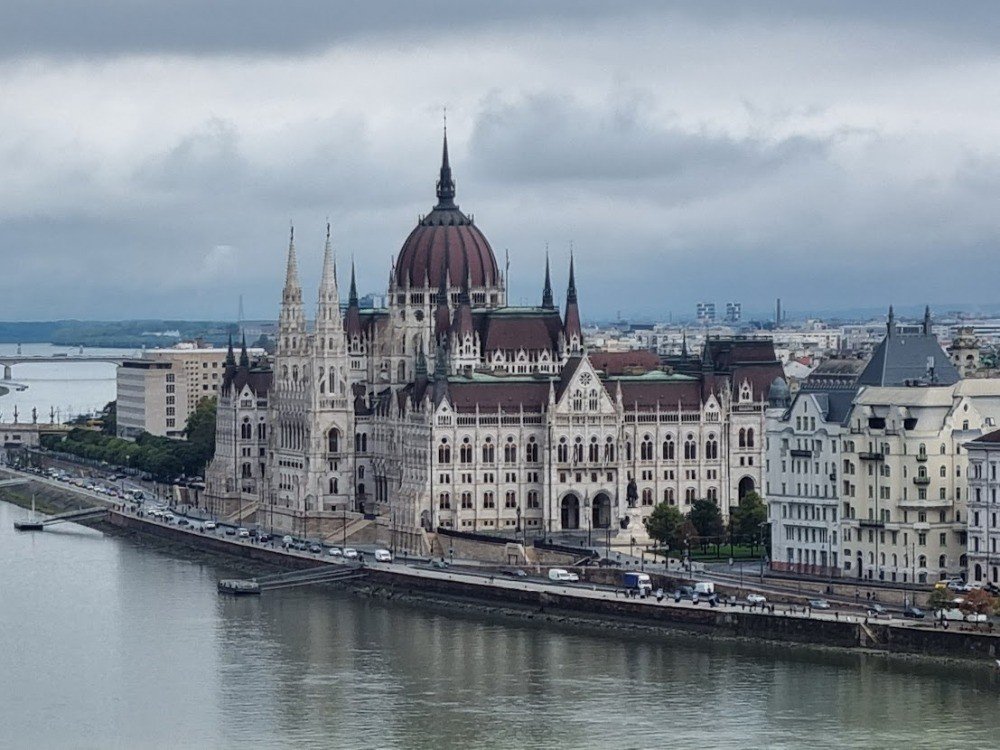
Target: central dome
x,y
446,239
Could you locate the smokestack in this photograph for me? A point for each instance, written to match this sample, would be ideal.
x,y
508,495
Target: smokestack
x,y
777,313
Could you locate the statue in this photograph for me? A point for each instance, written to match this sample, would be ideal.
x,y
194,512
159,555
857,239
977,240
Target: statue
x,y
632,493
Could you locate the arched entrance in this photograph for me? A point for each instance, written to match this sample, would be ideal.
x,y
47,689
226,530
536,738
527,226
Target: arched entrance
x,y
746,486
601,515
570,512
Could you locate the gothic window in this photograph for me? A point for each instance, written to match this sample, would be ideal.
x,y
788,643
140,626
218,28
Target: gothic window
x,y
533,499
262,431
334,485
646,449
246,429
609,450
401,372
489,452
628,450
510,500
444,452
510,451
713,495
361,472
246,472
690,449
668,495
647,496
444,501
689,495
562,451
333,440
595,451
750,438
743,437
711,447
488,500
577,400
578,450
668,448
531,451
592,400
465,452
295,373
467,500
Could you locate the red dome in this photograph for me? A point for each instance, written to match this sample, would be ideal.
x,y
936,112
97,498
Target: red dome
x,y
446,232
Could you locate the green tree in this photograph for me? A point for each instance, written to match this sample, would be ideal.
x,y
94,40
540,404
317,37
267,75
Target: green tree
x,y
667,525
200,431
748,517
707,519
941,598
109,418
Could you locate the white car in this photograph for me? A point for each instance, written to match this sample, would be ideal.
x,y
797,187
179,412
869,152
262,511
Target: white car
x,y
287,541
242,533
350,553
169,517
558,574
383,555
210,526
336,552
756,599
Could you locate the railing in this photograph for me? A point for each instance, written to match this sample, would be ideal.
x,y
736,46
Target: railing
x,y
871,455
921,457
871,523
922,480
801,453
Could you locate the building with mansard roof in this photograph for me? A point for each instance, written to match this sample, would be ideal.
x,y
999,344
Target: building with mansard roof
x,y
450,409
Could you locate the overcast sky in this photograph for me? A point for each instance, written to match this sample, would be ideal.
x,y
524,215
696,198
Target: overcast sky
x,y
841,154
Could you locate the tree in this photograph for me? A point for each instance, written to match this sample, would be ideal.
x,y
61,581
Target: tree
x,y
941,598
666,525
977,602
707,519
200,432
748,517
109,418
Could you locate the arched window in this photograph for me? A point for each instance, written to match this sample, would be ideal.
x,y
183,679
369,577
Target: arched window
x,y
646,449
444,501
246,429
578,450
533,499
246,471
592,400
531,451
594,452
690,449
944,472
942,560
609,449
444,452
750,438
334,485
465,452
562,451
711,447
647,496
333,440
510,451
510,499
713,494
401,372
668,495
577,401
628,450
743,438
922,472
689,495
922,561
489,452
668,448
262,431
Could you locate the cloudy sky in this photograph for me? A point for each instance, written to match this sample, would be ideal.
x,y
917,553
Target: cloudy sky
x,y
836,154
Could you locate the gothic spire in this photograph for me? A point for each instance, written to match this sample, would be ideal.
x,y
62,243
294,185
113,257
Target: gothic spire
x,y
292,268
445,184
571,290
547,301
352,322
244,355
230,356
684,343
461,325
571,323
927,320
890,323
441,313
352,295
328,307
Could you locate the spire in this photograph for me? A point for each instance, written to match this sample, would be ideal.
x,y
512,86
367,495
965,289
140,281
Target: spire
x,y
442,317
244,356
352,295
547,301
420,369
571,323
329,264
328,306
353,320
230,357
927,320
445,184
462,323
571,291
684,343
292,269
890,323
706,356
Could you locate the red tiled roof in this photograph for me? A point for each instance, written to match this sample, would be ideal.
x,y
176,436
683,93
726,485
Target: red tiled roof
x,y
508,397
618,363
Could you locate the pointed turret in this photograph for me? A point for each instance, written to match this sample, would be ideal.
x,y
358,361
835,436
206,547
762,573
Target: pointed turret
x,y
292,290
442,313
684,343
353,321
571,323
291,320
547,300
890,323
230,356
445,184
462,323
244,354
328,306
927,320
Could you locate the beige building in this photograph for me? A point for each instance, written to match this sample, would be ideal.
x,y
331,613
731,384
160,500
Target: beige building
x,y
157,392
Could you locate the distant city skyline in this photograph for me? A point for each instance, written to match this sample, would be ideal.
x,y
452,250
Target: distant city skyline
x,y
841,158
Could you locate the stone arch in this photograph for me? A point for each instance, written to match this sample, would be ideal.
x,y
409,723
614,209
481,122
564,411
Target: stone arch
x,y
569,511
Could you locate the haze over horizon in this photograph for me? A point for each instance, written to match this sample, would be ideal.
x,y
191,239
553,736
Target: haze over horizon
x,y
153,153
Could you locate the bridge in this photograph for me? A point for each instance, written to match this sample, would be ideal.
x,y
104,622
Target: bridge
x,y
326,574
9,360
85,514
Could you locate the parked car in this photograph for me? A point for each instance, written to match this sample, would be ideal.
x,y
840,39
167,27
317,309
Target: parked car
x,y
350,553
383,556
315,549
756,599
877,610
183,522
439,564
230,531
514,572
913,613
243,533
563,576
957,584
287,541
301,546
264,538
819,604
336,552
210,526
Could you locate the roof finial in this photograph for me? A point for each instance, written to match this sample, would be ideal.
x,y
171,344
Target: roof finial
x,y
445,184
571,290
352,297
547,301
244,356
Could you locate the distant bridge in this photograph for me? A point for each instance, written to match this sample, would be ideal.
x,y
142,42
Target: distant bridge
x,y
8,361
86,514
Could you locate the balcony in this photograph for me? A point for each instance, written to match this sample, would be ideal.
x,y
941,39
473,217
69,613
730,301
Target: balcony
x,y
801,453
870,523
871,456
924,481
921,457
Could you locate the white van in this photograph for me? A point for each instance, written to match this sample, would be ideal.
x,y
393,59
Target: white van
x,y
704,587
383,555
558,574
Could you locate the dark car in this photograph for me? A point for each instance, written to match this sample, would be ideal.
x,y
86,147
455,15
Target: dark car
x,y
913,613
264,537
315,549
514,572
230,531
301,546
183,522
439,564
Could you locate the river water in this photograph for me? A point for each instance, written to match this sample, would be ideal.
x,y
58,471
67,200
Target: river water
x,y
62,389
109,642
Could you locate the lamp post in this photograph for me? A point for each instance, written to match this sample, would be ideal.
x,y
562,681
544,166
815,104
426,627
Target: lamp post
x,y
763,549
687,554
586,509
517,529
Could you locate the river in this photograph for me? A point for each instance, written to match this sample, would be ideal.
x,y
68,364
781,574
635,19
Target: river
x,y
111,642
62,389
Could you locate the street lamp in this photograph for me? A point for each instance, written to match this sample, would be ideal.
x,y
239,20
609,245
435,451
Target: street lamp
x,y
763,549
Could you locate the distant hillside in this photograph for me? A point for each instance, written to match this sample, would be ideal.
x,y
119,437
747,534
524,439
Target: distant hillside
x,y
117,333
